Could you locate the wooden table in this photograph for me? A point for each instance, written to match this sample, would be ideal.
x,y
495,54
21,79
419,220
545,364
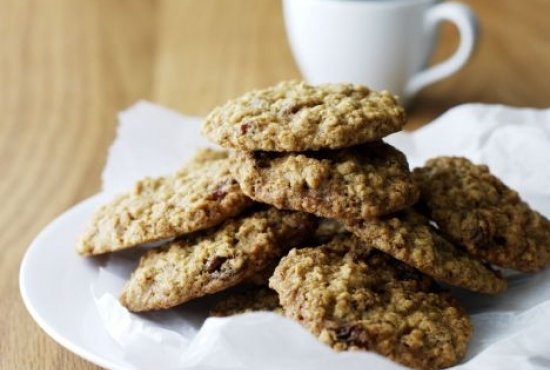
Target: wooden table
x,y
67,67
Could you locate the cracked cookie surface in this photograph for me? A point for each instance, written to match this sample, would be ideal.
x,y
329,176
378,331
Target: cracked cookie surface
x,y
213,260
355,297
479,212
364,181
408,237
294,116
200,195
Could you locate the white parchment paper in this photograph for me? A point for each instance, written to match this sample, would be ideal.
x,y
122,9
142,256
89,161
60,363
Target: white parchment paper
x,y
512,331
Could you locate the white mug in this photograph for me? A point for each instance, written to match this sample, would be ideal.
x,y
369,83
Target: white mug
x,y
383,44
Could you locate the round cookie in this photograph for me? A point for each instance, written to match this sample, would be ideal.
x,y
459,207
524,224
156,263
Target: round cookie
x,y
294,116
355,297
213,260
480,213
408,237
364,181
200,195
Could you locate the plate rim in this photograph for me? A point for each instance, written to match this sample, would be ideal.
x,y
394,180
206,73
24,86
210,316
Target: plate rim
x,y
30,306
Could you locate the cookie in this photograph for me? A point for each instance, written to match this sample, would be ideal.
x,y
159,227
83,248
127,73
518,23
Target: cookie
x,y
356,298
326,230
364,181
408,237
294,116
213,260
479,212
252,300
200,195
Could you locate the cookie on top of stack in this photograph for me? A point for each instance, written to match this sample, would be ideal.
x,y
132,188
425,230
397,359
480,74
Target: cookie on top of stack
x,y
312,215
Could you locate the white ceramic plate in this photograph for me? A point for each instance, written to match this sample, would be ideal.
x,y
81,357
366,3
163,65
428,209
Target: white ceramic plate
x,y
54,282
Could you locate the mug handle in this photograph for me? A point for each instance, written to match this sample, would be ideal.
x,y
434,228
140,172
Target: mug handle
x,y
465,20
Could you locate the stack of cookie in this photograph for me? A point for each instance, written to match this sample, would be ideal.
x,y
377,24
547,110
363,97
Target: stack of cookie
x,y
310,201
222,237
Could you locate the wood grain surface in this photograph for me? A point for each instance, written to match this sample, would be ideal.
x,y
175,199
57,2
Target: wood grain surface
x,y
68,66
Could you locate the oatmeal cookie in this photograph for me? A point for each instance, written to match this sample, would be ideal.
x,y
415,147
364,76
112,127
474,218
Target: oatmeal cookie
x,y
200,195
213,260
294,116
408,237
257,299
326,230
479,212
364,181
356,298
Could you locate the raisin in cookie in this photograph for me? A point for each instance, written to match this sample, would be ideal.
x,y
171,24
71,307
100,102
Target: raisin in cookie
x,y
408,237
479,212
294,116
364,181
200,195
355,297
213,260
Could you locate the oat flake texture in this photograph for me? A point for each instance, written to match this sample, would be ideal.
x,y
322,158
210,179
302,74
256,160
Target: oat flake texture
x,y
479,212
200,195
364,181
294,116
214,260
408,237
356,298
